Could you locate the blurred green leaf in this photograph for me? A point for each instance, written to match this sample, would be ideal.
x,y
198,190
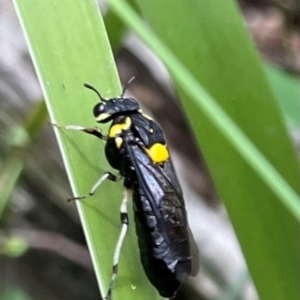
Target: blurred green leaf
x,y
13,246
13,294
115,29
286,88
209,40
20,139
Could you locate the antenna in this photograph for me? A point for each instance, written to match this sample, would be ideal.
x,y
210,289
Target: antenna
x,y
88,86
127,85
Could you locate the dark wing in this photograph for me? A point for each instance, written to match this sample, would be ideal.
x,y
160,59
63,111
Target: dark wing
x,y
161,187
169,171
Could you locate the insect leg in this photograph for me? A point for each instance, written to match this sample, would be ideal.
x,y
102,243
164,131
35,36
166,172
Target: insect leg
x,y
105,176
124,226
90,130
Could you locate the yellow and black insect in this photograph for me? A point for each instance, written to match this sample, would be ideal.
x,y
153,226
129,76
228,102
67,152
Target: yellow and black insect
x,y
136,147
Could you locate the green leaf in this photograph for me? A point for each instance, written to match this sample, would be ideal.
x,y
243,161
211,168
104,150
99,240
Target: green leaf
x,y
115,29
21,139
13,294
13,246
253,164
69,46
286,88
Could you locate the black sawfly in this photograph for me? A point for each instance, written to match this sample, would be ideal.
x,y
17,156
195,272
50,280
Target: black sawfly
x,y
136,147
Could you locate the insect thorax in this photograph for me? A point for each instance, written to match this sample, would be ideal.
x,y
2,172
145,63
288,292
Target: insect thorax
x,y
146,132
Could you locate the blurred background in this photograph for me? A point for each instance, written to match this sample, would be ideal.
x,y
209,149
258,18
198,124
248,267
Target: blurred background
x,y
40,230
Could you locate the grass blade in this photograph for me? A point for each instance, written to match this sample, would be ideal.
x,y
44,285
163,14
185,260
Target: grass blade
x,y
69,46
242,135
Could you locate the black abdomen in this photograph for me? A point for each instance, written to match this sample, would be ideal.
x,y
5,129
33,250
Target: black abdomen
x,y
157,258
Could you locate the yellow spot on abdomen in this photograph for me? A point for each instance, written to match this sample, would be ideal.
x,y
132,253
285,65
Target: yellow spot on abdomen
x,y
158,153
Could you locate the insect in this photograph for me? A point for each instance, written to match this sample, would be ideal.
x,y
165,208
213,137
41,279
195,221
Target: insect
x,y
136,147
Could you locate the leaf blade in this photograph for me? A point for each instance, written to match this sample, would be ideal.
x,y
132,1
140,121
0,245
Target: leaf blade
x,y
255,221
69,46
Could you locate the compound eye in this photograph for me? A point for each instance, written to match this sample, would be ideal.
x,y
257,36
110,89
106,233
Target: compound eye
x,y
99,109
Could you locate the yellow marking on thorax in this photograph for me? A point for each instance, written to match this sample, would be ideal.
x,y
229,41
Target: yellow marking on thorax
x,y
118,142
116,129
158,153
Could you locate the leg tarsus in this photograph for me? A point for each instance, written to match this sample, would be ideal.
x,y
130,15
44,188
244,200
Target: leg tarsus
x,y
96,131
76,198
124,226
105,176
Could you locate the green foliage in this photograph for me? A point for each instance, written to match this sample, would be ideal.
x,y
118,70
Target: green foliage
x,y
13,246
286,88
13,294
20,139
211,58
206,49
69,46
